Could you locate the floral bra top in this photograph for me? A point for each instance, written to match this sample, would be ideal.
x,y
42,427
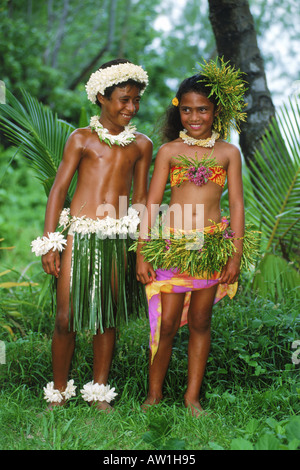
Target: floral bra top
x,y
197,172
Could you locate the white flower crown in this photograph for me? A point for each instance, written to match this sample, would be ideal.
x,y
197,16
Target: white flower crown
x,y
104,78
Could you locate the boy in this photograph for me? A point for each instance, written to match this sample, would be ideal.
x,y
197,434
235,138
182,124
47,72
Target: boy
x,y
108,155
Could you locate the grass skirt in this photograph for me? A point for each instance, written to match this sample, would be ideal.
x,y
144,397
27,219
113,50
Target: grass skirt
x,y
103,288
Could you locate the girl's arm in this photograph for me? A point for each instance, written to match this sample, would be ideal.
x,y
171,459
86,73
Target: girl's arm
x,y
231,270
144,270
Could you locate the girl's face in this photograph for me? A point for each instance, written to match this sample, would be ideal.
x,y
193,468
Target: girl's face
x,y
197,114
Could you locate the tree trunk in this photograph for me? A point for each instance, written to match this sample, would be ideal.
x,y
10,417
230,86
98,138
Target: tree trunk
x,y
235,35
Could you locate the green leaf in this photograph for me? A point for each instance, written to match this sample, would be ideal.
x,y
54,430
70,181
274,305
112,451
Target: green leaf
x,y
241,444
292,429
267,442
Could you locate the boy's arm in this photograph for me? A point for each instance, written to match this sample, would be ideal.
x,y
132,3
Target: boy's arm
x,y
231,270
66,170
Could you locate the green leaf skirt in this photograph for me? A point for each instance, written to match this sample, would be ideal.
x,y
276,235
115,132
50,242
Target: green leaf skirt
x,y
104,291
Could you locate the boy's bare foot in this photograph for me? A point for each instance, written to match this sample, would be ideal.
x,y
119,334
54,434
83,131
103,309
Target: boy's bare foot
x,y
194,407
102,406
150,401
52,406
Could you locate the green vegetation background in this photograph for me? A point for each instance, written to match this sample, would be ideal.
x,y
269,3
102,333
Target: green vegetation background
x,y
251,388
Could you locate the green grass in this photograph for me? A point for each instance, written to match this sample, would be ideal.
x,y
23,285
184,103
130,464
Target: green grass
x,y
251,387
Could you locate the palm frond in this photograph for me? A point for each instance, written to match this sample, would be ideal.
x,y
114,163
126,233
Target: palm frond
x,y
274,203
39,134
275,171
276,277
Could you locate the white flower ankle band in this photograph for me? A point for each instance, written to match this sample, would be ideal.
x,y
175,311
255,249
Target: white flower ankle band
x,y
90,392
53,395
120,73
98,392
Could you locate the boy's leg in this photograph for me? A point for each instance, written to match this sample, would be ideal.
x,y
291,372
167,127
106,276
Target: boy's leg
x,y
199,321
63,341
103,347
172,305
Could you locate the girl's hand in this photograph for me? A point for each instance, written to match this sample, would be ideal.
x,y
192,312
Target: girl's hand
x,y
51,263
230,272
144,270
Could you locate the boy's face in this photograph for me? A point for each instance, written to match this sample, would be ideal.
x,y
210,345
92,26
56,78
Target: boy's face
x,y
120,108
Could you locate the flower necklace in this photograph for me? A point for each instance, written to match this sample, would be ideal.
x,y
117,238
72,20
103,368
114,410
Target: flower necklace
x,y
124,138
210,142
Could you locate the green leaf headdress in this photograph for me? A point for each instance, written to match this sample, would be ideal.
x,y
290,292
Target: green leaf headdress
x,y
228,89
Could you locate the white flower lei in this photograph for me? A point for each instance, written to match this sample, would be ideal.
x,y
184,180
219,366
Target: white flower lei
x,y
52,395
104,78
96,392
210,142
107,227
102,227
124,138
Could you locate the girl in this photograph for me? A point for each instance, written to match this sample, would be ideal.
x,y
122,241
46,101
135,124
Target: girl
x,y
198,161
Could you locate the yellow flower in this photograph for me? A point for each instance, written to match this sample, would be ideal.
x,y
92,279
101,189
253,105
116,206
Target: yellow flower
x,y
175,101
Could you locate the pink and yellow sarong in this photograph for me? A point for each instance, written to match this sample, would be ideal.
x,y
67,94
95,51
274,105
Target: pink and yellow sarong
x,y
171,281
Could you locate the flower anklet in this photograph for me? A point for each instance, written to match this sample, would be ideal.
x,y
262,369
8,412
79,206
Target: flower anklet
x,y
52,395
96,392
90,392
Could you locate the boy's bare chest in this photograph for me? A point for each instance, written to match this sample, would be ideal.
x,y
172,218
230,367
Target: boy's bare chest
x,y
101,157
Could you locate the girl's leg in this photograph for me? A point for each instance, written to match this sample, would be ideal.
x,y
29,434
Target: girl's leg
x,y
172,305
199,321
63,341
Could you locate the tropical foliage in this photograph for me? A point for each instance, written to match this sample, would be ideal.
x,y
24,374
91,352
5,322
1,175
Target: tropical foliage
x,y
274,204
38,133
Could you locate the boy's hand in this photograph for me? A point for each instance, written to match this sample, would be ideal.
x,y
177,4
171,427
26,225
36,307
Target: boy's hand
x,y
230,272
51,263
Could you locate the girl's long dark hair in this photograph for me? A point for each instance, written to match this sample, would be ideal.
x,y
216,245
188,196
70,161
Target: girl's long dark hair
x,y
172,124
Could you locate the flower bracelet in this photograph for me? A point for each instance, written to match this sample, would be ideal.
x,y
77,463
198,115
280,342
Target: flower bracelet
x,y
54,241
